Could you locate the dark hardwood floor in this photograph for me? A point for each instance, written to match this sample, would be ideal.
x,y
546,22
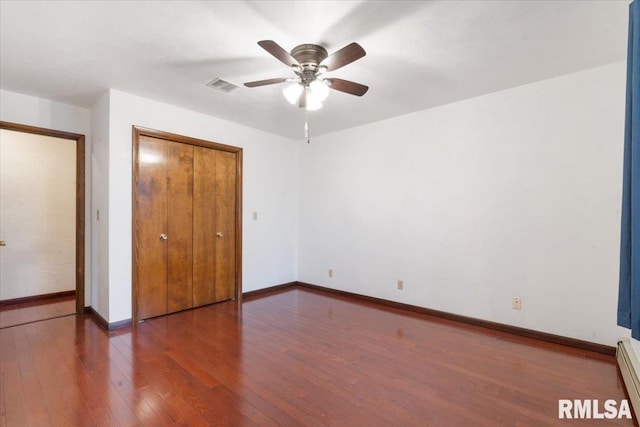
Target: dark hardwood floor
x,y
17,314
297,357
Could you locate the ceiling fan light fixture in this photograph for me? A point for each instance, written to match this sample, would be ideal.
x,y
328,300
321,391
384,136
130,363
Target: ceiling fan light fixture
x,y
313,101
319,89
292,93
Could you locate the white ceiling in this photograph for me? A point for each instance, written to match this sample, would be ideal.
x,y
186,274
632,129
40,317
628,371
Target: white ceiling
x,y
419,53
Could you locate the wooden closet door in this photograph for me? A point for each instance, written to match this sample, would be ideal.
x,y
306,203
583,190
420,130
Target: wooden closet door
x,y
214,207
179,226
186,208
204,233
151,221
164,227
225,222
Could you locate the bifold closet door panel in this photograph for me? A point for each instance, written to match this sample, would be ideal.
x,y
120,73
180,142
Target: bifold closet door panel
x,y
151,222
225,225
179,226
185,225
204,232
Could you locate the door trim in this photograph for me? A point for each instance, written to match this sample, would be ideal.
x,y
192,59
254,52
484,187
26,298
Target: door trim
x,y
80,196
138,132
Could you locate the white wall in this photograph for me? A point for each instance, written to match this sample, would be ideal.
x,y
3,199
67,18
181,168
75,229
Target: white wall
x,y
515,193
33,111
99,157
37,214
635,345
269,188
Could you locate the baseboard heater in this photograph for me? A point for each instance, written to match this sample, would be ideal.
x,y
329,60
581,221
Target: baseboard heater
x,y
630,369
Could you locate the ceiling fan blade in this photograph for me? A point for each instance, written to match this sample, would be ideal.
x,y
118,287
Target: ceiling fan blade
x,y
282,55
346,55
347,86
265,82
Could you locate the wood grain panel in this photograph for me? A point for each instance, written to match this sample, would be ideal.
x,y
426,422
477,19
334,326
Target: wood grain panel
x,y
179,226
80,222
151,221
225,214
204,224
204,232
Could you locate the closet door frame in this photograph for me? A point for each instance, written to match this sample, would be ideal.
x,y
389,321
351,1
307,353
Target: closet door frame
x,y
139,132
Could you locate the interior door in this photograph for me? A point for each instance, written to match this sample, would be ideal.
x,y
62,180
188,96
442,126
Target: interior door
x,y
164,226
204,226
224,217
151,226
214,221
179,226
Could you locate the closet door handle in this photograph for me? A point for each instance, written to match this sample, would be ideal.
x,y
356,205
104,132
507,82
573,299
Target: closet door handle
x,y
219,234
163,237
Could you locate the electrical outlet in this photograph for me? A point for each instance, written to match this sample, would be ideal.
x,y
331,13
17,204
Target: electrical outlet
x,y
516,303
255,216
330,272
400,285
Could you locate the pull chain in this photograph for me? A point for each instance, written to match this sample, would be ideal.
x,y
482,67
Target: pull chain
x,y
306,126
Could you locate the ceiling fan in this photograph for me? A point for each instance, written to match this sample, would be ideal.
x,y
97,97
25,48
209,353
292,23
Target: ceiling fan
x,y
309,62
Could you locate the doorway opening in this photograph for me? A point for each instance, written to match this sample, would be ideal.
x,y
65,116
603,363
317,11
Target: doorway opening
x,y
42,226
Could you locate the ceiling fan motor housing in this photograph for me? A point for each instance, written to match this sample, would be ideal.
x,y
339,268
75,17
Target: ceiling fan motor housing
x,y
309,54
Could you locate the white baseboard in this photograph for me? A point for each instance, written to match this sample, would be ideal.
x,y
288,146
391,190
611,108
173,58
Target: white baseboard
x,y
630,368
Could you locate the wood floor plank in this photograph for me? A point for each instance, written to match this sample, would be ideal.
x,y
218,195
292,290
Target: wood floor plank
x,y
14,403
294,358
193,367
38,414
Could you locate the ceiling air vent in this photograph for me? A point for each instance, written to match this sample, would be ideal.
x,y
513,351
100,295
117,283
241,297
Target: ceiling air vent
x,y
222,85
